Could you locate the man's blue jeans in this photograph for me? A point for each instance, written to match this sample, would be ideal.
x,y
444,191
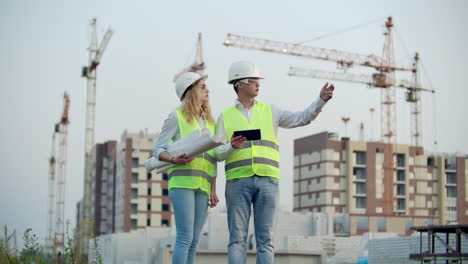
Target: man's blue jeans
x,y
190,210
262,192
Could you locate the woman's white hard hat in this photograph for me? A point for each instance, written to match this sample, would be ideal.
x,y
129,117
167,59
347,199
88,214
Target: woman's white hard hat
x,y
185,81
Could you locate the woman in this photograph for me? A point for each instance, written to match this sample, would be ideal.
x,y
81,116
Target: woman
x,y
192,182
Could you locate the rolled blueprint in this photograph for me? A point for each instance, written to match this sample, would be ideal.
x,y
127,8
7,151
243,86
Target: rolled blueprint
x,y
194,144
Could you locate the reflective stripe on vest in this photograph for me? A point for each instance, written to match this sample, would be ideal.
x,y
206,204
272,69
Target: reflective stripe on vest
x,y
260,157
197,173
193,173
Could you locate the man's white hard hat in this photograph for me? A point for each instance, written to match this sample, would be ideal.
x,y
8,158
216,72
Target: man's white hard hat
x,y
185,81
241,70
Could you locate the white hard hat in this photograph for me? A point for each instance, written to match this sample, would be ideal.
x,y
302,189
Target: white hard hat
x,y
241,70
185,81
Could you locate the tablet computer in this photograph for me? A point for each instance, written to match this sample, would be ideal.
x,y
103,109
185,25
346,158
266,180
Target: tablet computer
x,y
252,134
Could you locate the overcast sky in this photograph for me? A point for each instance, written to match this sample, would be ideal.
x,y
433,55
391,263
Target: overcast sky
x,y
43,47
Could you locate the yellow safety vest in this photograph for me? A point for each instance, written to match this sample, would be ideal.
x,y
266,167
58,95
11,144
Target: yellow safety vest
x,y
260,157
197,173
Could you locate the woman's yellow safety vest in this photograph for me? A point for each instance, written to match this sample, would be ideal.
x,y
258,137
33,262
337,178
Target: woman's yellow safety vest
x,y
197,173
260,157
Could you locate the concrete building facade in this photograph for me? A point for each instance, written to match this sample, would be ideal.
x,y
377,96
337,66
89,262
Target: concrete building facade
x,y
142,198
382,187
103,197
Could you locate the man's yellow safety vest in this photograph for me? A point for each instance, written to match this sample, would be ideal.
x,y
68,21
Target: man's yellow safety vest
x,y
197,173
260,157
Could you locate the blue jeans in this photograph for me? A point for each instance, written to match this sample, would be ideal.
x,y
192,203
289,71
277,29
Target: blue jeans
x,y
190,210
262,192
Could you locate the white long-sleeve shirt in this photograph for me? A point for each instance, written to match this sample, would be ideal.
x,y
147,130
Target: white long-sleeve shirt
x,y
170,131
281,118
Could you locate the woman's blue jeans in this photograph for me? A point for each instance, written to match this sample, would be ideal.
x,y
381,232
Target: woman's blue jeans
x,y
190,211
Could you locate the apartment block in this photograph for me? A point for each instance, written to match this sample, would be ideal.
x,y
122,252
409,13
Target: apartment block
x,y
142,198
104,180
382,187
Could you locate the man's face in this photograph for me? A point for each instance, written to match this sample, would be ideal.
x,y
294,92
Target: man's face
x,y
251,88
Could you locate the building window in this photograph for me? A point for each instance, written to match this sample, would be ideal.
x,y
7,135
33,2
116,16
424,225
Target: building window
x,y
134,209
134,162
165,207
148,176
165,192
430,161
133,224
134,177
400,160
165,222
360,158
149,191
400,175
452,192
360,202
134,193
451,178
401,205
148,207
165,177
360,173
401,190
148,222
361,188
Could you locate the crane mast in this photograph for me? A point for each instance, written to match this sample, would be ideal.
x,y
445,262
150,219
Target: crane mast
x,y
61,175
414,96
89,72
198,65
49,241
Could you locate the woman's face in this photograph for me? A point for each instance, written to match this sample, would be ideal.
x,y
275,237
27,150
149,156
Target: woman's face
x,y
204,92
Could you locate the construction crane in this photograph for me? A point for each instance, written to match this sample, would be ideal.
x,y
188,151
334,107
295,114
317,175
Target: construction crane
x,y
384,65
198,65
55,235
49,241
89,72
413,89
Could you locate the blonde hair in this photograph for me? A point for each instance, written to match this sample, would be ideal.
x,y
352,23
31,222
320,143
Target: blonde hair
x,y
191,104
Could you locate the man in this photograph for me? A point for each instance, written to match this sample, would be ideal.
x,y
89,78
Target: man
x,y
252,168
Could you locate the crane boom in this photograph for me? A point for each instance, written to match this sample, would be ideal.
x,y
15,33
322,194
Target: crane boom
x,y
344,59
100,51
370,80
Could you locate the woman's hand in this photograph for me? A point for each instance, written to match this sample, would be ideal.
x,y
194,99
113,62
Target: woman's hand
x,y
182,159
213,201
236,142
